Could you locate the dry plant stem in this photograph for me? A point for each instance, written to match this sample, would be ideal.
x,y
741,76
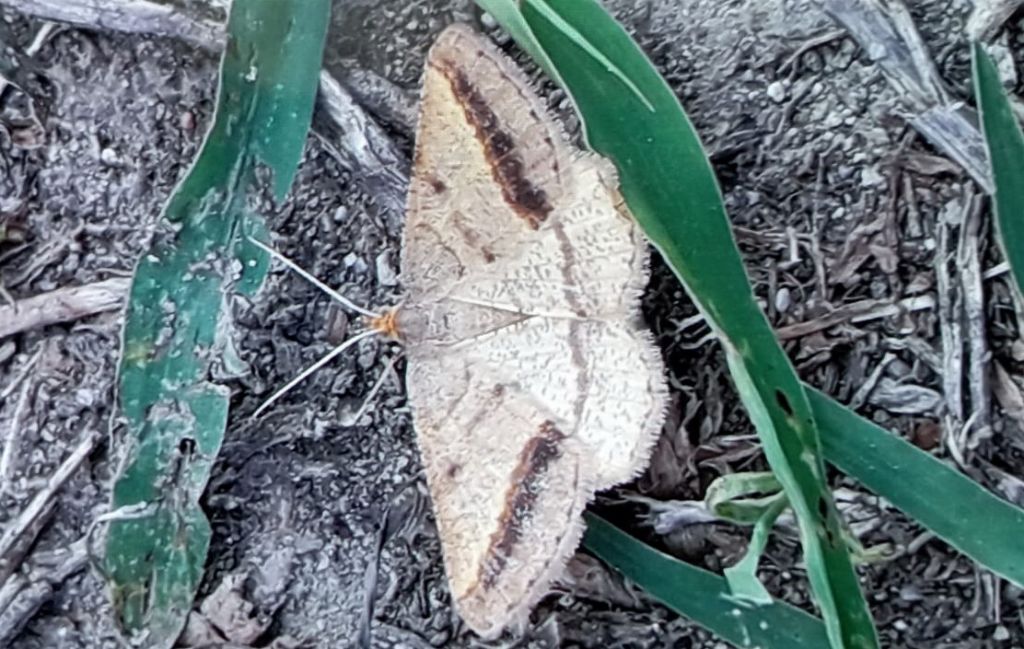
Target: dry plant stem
x,y
10,590
38,505
39,588
861,311
988,17
135,16
950,329
973,291
63,305
951,332
12,562
363,145
790,64
12,439
885,29
864,391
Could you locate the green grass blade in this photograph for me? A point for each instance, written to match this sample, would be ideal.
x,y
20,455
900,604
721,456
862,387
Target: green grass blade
x,y
957,509
507,13
178,312
1005,144
742,497
703,596
670,188
742,576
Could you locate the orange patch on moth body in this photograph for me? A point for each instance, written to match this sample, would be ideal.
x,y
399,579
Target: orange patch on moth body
x,y
386,324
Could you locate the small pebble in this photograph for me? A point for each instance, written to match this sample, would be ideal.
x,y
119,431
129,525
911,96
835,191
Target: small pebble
x,y
870,177
783,300
776,92
109,157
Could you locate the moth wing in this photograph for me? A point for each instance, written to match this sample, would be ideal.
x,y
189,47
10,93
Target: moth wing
x,y
517,431
532,385
487,169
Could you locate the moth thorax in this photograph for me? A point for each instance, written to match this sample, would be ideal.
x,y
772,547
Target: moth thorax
x,y
386,324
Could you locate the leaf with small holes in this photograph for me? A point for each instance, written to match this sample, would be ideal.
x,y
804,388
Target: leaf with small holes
x,y
178,320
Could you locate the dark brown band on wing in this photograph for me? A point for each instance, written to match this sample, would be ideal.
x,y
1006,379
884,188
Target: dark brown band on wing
x,y
527,199
527,483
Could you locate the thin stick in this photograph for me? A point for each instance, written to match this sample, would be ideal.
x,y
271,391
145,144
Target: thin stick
x,y
338,297
12,440
857,312
9,389
313,368
63,305
384,376
39,503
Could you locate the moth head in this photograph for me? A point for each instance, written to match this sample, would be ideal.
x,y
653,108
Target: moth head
x,y
385,324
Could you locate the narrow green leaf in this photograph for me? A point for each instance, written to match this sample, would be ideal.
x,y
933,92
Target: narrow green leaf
x,y
507,14
177,325
957,509
703,596
742,497
742,577
1005,144
670,188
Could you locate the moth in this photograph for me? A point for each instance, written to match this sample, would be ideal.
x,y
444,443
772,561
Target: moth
x,y
532,382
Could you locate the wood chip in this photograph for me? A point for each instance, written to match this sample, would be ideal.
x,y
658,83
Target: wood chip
x,y
857,312
905,398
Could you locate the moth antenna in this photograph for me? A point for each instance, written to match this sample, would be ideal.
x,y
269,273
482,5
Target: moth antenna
x,y
384,376
336,296
337,351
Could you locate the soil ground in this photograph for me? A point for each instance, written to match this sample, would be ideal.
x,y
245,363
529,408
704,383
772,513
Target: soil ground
x,y
834,200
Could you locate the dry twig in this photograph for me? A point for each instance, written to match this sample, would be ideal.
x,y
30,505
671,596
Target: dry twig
x,y
12,440
973,292
38,505
950,328
136,16
63,305
364,145
862,311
